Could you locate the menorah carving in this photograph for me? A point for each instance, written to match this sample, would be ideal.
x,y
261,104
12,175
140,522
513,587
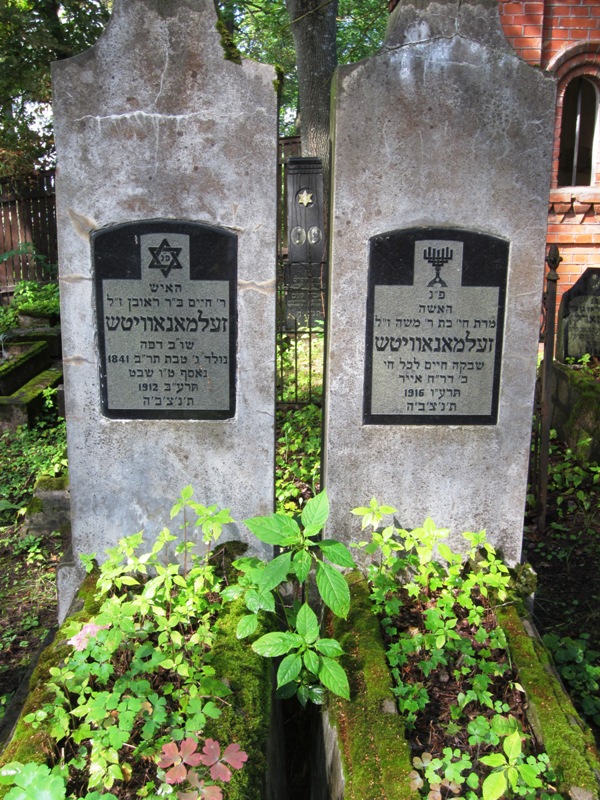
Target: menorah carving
x,y
437,259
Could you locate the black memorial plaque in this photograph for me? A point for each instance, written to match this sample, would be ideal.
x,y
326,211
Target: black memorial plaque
x,y
167,320
435,323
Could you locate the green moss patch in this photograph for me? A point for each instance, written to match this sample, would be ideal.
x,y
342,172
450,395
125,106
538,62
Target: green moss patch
x,y
247,719
27,744
566,739
374,750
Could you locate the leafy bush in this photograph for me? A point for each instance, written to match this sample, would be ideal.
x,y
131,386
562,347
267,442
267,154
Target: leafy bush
x,y
24,455
35,299
579,667
436,610
133,697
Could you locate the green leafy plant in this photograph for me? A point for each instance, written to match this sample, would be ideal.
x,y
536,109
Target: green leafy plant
x,y
579,666
139,675
436,610
298,457
310,661
26,454
36,299
38,782
513,773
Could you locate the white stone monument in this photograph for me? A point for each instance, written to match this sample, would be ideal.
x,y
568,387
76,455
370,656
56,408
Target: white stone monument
x,y
166,219
441,163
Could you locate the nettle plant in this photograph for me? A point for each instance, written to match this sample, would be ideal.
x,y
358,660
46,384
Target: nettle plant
x,y
453,637
309,662
133,698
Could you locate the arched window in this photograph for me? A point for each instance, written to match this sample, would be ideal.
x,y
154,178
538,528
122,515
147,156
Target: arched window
x,y
577,133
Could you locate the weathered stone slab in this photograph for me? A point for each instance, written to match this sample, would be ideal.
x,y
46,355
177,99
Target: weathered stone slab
x,y
166,216
579,318
442,139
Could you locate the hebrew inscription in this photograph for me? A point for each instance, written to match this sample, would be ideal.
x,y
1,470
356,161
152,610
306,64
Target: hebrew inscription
x,y
434,327
165,299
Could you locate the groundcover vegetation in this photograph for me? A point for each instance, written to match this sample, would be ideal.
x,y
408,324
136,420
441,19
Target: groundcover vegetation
x,y
128,707
136,702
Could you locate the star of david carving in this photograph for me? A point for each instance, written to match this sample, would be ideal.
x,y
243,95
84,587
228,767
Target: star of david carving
x,y
165,258
305,198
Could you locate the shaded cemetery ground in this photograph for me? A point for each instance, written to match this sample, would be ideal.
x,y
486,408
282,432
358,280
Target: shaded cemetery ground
x,y
566,558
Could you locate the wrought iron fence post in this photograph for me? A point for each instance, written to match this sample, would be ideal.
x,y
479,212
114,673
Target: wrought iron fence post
x,y
553,259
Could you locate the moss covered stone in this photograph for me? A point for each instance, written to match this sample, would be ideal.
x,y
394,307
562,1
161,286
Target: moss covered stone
x,y
49,483
576,410
567,740
246,720
374,750
27,744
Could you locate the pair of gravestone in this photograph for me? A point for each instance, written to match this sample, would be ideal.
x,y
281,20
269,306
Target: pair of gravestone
x,y
166,213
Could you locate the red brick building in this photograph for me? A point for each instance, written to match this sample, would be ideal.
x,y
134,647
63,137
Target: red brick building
x,y
563,37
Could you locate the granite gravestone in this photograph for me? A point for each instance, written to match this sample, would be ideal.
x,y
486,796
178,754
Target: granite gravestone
x,y
579,318
441,165
166,221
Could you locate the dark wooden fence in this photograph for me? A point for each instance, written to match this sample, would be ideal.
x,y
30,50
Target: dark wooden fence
x,y
27,230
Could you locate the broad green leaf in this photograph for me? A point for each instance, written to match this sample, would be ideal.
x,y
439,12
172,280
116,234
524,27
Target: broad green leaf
x,y
275,572
286,691
529,774
512,746
445,552
289,669
513,777
329,647
333,589
246,626
312,530
472,780
494,786
127,580
311,661
276,529
334,678
259,601
316,694
301,564
493,760
232,592
503,725
276,644
337,553
316,511
302,693
307,624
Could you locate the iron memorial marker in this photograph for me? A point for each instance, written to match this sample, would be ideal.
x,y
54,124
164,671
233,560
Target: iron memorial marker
x,y
435,321
166,308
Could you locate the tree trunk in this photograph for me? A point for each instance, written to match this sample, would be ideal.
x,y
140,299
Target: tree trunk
x,y
314,31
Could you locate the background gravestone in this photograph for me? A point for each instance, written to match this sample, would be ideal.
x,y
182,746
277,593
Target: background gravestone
x,y
579,318
166,217
441,164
